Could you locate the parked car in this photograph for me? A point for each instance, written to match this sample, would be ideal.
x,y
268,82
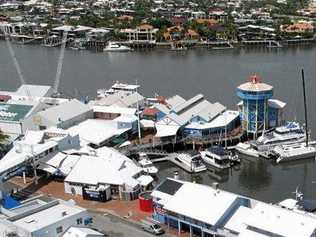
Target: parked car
x,y
152,228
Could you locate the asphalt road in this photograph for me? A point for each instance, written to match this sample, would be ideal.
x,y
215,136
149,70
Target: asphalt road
x,y
116,227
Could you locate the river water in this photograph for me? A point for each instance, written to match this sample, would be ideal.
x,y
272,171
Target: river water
x,y
216,74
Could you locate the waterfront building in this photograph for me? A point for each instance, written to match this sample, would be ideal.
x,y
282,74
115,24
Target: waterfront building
x,y
64,115
42,217
256,32
109,174
18,108
120,99
100,132
111,112
258,111
142,34
34,148
195,119
208,211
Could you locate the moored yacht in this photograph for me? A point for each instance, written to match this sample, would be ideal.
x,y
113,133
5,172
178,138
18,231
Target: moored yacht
x,y
291,132
292,152
218,157
115,47
117,87
192,162
246,149
146,164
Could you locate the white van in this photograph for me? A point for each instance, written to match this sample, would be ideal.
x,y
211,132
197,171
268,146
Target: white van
x,y
152,227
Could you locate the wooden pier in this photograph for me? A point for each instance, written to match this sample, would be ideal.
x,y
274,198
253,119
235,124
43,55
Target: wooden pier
x,y
265,42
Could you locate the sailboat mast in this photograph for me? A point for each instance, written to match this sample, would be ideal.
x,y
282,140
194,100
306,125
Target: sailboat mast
x,y
305,107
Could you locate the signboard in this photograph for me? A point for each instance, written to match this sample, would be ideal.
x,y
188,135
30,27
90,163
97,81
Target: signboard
x,y
13,112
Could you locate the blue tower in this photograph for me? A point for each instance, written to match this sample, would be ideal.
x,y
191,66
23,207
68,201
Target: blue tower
x,y
254,107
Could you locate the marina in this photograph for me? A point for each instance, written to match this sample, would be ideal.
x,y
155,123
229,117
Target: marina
x,y
191,138
147,84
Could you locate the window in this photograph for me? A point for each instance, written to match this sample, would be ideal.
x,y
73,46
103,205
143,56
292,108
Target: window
x,y
79,221
59,229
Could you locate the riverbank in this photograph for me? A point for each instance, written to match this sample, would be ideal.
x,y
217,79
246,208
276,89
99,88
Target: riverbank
x,y
181,45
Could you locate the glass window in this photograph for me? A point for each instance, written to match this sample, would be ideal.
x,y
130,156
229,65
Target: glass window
x,y
79,221
59,229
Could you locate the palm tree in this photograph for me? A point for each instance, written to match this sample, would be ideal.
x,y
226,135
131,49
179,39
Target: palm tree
x,y
3,139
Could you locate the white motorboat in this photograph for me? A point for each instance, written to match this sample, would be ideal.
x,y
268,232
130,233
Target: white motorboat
x,y
146,164
218,157
290,133
292,152
193,162
115,47
246,149
117,87
178,48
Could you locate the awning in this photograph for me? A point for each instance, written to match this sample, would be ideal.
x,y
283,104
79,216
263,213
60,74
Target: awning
x,y
166,130
145,180
147,123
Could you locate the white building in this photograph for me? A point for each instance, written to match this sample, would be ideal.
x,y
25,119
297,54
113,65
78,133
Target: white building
x,y
82,232
37,146
41,218
64,115
109,171
208,211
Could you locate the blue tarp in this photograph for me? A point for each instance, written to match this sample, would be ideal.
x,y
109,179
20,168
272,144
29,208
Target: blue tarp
x,y
9,202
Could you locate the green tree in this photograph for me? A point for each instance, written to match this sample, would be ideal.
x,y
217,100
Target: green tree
x,y
3,139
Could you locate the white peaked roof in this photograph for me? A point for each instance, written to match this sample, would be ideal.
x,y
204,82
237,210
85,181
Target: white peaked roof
x,y
175,100
220,121
34,90
65,111
280,222
200,202
107,167
188,103
97,131
59,162
82,232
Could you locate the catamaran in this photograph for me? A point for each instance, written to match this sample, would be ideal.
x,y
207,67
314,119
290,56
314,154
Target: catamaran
x,y
293,152
296,151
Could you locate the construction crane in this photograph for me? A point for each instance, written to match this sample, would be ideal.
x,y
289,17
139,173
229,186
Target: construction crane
x,y
60,62
15,61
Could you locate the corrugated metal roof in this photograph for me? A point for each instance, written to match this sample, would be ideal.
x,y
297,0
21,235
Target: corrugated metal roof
x,y
182,107
64,111
175,101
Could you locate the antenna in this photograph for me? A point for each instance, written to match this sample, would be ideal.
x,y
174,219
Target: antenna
x,y
298,195
60,62
15,61
138,117
305,107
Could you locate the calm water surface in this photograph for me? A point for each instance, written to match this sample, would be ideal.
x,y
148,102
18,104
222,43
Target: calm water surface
x,y
216,74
